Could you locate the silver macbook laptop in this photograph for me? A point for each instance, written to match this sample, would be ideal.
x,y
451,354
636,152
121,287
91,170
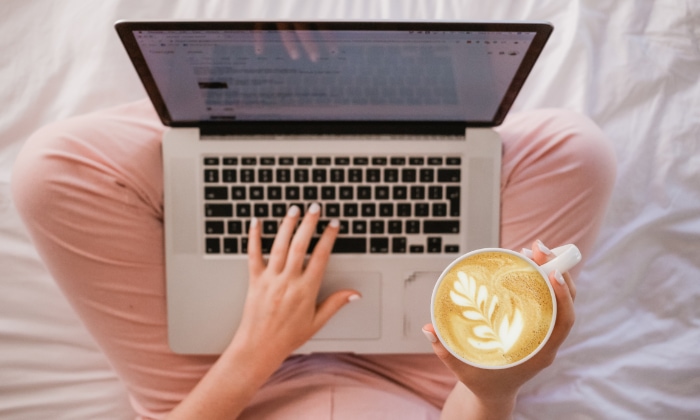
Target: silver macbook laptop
x,y
386,124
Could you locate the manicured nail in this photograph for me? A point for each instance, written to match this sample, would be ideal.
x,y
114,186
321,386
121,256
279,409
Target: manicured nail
x,y
559,277
253,222
527,252
334,223
314,208
354,297
543,248
430,336
293,211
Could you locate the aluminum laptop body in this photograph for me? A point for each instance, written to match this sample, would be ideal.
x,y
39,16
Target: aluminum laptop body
x,y
388,125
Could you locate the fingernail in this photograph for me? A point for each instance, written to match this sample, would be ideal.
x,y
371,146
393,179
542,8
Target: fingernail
x,y
543,248
253,222
527,252
559,277
314,208
334,223
354,297
430,336
293,211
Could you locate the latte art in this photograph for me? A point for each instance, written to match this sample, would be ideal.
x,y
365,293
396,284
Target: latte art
x,y
493,309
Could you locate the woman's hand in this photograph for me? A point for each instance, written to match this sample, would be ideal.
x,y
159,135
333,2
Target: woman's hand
x,y
280,314
280,309
492,392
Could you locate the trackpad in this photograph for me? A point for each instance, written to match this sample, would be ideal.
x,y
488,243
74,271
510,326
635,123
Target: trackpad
x,y
360,319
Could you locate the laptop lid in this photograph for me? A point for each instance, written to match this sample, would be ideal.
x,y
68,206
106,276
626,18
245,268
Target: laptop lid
x,y
325,77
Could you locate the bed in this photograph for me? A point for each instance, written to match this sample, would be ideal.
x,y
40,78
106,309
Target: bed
x,y
633,66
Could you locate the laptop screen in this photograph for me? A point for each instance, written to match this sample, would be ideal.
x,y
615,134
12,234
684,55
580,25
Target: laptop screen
x,y
257,74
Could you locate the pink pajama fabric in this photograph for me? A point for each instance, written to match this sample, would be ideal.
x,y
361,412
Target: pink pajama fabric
x,y
90,189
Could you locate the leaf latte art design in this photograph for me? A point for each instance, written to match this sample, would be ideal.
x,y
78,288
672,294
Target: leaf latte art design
x,y
492,329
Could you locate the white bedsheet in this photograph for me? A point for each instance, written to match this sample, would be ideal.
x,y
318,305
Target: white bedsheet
x,y
633,66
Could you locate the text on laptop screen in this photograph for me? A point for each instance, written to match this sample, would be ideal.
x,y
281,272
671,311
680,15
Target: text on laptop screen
x,y
339,75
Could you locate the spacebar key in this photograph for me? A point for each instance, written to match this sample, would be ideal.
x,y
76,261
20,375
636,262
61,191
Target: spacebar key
x,y
345,245
441,226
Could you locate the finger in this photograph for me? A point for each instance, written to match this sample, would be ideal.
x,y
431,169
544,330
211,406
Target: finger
x,y
256,265
565,309
322,251
540,253
331,305
258,39
307,42
289,40
441,352
302,238
280,247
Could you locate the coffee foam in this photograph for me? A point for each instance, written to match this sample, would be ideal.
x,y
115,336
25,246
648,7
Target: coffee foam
x,y
493,309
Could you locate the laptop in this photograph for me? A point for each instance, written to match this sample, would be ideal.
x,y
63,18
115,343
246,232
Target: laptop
x,y
387,125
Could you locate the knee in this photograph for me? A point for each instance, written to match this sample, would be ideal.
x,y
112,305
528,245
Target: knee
x,y
585,149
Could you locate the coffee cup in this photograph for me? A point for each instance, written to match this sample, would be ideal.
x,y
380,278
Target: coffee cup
x,y
494,308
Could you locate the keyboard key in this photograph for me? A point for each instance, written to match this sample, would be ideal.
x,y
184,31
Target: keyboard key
x,y
261,210
399,192
342,161
408,175
243,210
451,249
229,175
350,245
209,161
257,193
267,161
434,245
435,161
398,161
440,226
216,193
230,161
398,245
386,209
364,192
379,161
304,161
265,175
235,227
323,160
376,227
417,249
249,161
238,193
274,193
350,210
391,175
283,175
453,197
279,210
422,210
359,227
346,193
379,245
381,193
403,210
211,175
454,161
439,210
374,175
449,175
218,210
269,227
230,245
368,210
214,227
328,192
416,160
360,160
355,175
292,193
412,226
426,175
395,226
213,246
247,175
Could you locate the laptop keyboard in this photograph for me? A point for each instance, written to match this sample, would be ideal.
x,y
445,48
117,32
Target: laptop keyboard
x,y
385,204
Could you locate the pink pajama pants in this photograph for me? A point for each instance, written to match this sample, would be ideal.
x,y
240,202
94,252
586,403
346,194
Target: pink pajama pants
x,y
90,190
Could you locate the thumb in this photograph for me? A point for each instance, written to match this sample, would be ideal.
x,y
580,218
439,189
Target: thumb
x,y
332,304
440,351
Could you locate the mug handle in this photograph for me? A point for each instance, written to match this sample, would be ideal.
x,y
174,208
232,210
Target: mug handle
x,y
567,256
